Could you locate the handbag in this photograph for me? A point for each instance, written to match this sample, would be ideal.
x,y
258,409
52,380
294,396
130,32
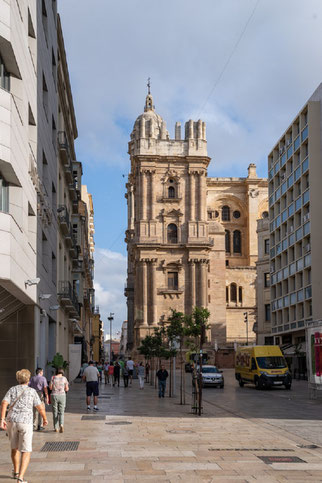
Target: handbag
x,y
13,404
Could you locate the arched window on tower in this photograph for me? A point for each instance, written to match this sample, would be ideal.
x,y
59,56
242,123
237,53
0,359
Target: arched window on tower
x,y
227,295
225,213
172,233
227,241
233,292
240,295
171,192
237,241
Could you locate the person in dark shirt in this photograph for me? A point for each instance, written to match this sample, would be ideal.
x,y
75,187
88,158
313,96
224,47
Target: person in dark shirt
x,y
116,374
162,375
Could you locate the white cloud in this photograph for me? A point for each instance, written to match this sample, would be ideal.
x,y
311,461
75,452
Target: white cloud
x,y
110,278
114,46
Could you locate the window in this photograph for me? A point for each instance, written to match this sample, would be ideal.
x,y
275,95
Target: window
x,y
267,312
225,213
266,246
4,76
4,195
240,295
237,241
45,20
171,192
227,294
233,292
227,241
53,65
172,233
267,280
173,280
236,214
45,95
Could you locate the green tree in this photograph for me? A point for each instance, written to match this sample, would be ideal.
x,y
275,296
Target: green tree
x,y
195,329
176,334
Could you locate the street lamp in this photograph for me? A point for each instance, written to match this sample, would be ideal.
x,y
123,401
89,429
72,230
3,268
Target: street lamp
x,y
110,318
246,322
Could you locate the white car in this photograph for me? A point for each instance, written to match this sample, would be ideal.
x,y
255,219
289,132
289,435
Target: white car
x,y
212,376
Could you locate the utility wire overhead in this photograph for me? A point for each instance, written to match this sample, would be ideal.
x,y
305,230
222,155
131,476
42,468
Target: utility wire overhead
x,y
229,59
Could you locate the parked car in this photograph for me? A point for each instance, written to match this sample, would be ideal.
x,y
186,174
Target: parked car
x,y
212,376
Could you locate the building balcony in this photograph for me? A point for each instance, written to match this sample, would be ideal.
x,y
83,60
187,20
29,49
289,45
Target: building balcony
x,y
65,155
68,298
170,290
96,310
63,219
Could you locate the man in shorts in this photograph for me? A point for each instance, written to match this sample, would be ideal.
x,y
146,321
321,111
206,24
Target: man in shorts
x,y
130,368
91,377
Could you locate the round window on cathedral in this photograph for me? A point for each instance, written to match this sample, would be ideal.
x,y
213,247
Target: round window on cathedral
x,y
216,214
170,180
265,214
236,214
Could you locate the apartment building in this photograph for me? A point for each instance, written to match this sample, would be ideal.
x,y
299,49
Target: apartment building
x,y
43,222
295,173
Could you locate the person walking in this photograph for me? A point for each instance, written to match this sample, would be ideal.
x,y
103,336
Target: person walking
x,y
125,374
91,376
130,368
100,370
162,375
21,400
117,369
111,373
106,378
58,386
39,383
141,375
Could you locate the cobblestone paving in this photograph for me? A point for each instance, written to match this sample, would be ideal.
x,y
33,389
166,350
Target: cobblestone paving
x,y
144,438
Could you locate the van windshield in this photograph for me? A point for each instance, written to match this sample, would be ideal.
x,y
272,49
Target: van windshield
x,y
276,362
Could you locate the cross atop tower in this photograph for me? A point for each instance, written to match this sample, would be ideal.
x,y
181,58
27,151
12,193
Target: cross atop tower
x,y
149,85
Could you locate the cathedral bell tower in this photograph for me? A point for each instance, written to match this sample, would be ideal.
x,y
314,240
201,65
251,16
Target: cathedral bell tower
x,y
167,237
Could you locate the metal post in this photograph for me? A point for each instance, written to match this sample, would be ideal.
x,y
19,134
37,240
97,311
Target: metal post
x,y
110,318
246,322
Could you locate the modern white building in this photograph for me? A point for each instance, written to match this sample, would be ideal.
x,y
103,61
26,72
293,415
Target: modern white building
x,y
295,173
19,187
45,252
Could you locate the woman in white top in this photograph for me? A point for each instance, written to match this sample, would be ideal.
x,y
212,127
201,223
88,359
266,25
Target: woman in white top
x,y
59,386
21,400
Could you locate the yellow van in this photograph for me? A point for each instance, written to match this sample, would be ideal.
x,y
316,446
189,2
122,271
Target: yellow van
x,y
262,365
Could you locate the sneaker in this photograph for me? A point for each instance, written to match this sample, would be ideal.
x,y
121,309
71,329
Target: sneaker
x,y
61,429
96,409
88,408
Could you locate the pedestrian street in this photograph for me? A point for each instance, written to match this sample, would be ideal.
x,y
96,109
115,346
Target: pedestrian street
x,y
138,437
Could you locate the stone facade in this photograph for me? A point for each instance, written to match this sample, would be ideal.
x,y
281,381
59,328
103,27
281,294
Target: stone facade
x,y
191,239
263,326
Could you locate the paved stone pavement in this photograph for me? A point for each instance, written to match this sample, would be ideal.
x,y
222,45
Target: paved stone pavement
x,y
159,440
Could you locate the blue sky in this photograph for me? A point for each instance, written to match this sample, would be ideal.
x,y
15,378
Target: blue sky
x,y
274,53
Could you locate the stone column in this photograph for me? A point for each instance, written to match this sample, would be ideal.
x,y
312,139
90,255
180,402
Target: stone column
x,y
203,283
144,292
143,195
192,197
132,207
154,291
192,283
152,200
202,196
